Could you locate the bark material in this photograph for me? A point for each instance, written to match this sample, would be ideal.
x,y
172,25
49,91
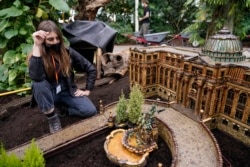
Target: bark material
x,y
87,9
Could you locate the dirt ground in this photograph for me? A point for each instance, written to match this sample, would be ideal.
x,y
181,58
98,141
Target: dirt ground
x,y
24,123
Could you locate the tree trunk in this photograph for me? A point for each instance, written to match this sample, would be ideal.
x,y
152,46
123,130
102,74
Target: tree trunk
x,y
87,9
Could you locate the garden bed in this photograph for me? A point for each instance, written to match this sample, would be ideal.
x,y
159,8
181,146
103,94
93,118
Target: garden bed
x,y
25,123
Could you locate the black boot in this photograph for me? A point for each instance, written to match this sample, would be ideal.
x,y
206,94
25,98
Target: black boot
x,y
54,123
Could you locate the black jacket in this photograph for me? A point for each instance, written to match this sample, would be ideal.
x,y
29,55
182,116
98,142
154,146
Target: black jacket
x,y
78,63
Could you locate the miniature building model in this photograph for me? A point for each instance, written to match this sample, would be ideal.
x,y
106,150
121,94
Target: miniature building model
x,y
215,80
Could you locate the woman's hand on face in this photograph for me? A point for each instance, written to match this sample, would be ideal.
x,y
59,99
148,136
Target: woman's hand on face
x,y
81,93
39,37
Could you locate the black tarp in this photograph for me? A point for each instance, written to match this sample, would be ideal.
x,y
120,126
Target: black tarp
x,y
86,36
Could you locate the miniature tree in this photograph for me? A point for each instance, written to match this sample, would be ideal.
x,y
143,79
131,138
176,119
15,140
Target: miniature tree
x,y
135,102
121,110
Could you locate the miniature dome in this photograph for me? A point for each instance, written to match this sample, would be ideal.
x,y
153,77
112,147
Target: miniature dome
x,y
224,47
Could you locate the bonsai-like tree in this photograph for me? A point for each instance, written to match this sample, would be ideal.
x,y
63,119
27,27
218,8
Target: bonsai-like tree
x,y
121,110
135,102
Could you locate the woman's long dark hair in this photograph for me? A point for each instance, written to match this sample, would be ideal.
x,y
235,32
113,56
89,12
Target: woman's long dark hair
x,y
62,57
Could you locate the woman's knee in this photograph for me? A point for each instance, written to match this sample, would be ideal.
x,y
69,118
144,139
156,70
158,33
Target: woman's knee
x,y
83,111
88,111
41,87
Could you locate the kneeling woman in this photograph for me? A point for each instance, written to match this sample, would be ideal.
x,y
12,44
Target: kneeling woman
x,y
51,68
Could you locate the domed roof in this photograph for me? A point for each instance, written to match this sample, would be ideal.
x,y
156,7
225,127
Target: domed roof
x,y
224,47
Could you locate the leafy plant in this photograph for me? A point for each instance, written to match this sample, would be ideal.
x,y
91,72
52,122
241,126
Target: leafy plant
x,y
121,110
122,28
33,157
135,102
18,20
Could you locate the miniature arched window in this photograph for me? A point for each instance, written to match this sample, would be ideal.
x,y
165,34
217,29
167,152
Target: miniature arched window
x,y
148,71
242,99
228,106
241,106
248,119
191,104
139,76
161,75
136,72
227,109
154,70
205,91
149,58
171,80
230,95
166,77
195,86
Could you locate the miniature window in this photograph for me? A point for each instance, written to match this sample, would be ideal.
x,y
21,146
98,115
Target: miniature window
x,y
227,109
225,122
230,95
222,73
186,67
247,77
161,75
243,99
248,120
213,120
205,91
236,127
209,73
247,132
197,70
149,58
195,86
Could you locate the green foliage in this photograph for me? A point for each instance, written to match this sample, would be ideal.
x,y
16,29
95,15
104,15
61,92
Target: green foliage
x,y
33,157
212,15
10,160
121,29
18,20
135,102
169,15
118,18
121,109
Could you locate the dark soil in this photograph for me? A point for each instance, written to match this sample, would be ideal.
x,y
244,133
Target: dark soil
x,y
92,154
24,123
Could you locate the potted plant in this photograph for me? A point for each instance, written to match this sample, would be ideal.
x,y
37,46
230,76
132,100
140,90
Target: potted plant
x,y
121,111
135,102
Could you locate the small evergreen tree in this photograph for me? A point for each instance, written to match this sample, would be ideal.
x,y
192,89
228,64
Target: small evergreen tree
x,y
135,102
121,110
33,157
8,160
